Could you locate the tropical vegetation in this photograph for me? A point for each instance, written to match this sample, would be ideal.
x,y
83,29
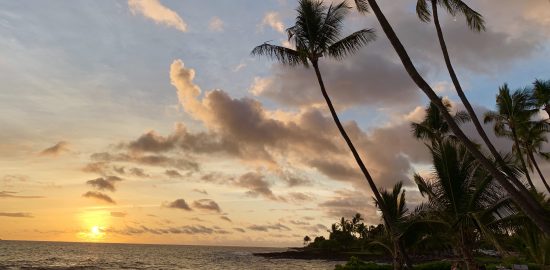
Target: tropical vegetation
x,y
475,197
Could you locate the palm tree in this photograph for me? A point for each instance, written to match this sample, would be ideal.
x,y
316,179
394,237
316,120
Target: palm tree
x,y
461,194
433,127
315,34
513,110
395,217
476,23
532,136
541,94
521,196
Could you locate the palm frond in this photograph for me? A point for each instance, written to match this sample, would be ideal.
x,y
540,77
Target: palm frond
x,y
474,19
284,55
423,11
362,6
351,43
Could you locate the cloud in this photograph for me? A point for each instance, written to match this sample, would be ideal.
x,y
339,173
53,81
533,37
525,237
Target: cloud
x,y
216,24
271,227
16,215
12,194
188,229
104,183
256,184
239,230
364,79
99,196
138,172
118,214
273,20
179,204
346,203
226,218
201,191
173,173
55,150
207,204
160,14
181,163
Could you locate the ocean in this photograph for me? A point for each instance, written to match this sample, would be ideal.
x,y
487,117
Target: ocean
x,y
59,255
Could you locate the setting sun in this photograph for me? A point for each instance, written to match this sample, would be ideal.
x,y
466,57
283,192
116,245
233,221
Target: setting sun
x,y
95,230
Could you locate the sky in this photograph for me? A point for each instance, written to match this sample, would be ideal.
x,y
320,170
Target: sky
x,y
148,121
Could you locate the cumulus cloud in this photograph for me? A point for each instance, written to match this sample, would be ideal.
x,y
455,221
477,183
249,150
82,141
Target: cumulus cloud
x,y
16,215
157,12
216,24
179,204
56,149
346,203
207,204
273,20
99,196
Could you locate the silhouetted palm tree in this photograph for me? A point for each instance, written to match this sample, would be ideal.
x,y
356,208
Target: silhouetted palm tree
x,y
433,127
461,194
541,94
513,110
521,196
395,217
317,33
532,136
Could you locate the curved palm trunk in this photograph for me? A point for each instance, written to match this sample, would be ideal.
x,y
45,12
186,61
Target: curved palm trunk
x,y
462,95
524,200
532,158
344,134
522,160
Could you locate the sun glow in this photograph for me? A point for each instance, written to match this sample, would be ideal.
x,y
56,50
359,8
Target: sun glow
x,y
94,225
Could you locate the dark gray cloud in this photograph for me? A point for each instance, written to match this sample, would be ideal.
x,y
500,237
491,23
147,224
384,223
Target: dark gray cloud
x,y
56,149
104,183
179,204
207,204
99,196
16,215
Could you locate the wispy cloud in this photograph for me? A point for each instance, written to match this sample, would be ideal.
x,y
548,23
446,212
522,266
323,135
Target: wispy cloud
x,y
156,11
13,194
16,215
99,196
216,24
56,149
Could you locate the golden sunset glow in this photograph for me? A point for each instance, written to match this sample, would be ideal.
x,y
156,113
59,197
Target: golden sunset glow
x,y
149,121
